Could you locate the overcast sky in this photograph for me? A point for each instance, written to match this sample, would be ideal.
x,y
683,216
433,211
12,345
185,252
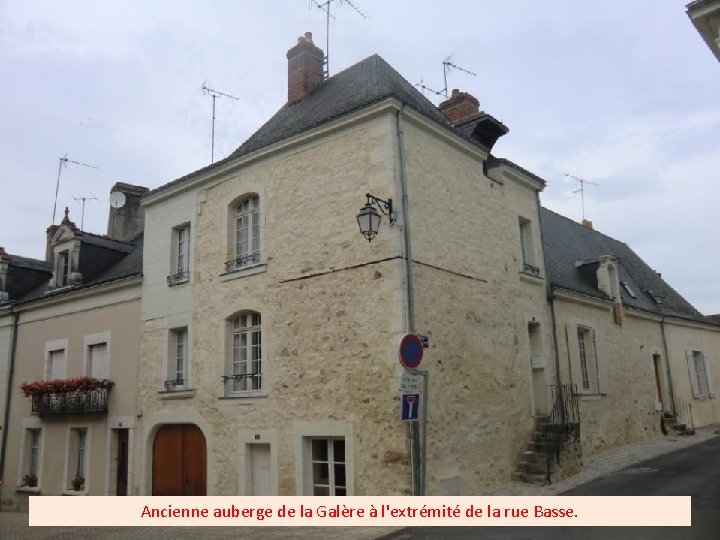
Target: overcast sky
x,y
623,93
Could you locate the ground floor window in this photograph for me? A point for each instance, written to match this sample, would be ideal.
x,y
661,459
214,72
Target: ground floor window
x,y
328,466
77,458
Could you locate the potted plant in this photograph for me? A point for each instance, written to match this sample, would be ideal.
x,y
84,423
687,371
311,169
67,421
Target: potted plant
x,y
78,482
30,480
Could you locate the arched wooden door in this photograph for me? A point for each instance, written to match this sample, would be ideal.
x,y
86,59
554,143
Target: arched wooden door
x,y
179,461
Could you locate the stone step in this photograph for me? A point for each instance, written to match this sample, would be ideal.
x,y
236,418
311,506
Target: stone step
x,y
535,467
536,456
535,479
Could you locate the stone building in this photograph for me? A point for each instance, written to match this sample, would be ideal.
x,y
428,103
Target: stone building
x,y
70,328
270,327
705,16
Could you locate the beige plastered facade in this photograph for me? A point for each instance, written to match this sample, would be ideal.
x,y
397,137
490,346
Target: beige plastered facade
x,y
73,321
333,309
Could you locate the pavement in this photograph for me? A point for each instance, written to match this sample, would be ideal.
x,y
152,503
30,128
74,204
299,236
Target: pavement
x,y
14,525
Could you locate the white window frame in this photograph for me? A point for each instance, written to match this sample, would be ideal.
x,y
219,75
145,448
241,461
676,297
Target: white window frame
x,y
528,261
245,359
180,267
305,433
245,234
177,358
588,374
90,341
30,425
78,457
331,462
700,371
55,367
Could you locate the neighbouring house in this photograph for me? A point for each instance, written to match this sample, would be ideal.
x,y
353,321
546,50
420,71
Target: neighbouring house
x,y
705,16
70,328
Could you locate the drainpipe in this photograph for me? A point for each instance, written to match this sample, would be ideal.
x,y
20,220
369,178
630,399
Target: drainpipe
x,y
667,366
417,436
6,418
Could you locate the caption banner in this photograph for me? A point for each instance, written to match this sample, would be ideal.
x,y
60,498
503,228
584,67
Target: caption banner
x,y
359,511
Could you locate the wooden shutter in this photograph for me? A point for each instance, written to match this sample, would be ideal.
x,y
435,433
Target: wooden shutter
x,y
694,385
574,354
602,361
708,372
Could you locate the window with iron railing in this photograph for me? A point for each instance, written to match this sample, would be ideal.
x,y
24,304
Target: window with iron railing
x,y
245,372
246,234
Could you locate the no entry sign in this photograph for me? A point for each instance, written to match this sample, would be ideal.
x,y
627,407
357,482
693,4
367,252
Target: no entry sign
x,y
411,351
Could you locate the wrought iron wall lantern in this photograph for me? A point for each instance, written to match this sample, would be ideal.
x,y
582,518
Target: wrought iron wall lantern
x,y
369,218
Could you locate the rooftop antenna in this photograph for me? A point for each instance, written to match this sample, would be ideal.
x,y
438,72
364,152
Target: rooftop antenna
x,y
82,215
581,189
448,65
63,163
325,6
214,94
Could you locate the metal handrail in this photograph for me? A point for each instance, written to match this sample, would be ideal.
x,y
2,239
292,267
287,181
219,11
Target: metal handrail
x,y
683,412
76,402
564,416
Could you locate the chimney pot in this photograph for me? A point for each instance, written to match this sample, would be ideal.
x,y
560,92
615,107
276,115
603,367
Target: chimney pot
x,y
587,223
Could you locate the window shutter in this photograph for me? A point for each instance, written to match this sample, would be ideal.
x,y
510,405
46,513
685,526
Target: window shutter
x,y
693,374
602,361
58,365
708,371
574,352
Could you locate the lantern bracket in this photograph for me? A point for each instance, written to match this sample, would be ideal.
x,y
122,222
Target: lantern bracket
x,y
386,207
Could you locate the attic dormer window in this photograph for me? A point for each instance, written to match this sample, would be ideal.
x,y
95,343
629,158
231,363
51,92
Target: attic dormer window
x,y
63,270
628,289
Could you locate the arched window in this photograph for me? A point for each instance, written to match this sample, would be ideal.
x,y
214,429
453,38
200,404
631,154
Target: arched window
x,y
245,233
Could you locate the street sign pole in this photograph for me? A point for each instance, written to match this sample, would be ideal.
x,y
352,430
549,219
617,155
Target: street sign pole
x,y
423,430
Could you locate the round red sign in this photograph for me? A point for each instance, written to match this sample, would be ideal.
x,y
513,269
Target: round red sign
x,y
410,351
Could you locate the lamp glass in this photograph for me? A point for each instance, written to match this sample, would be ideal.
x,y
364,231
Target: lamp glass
x,y
369,221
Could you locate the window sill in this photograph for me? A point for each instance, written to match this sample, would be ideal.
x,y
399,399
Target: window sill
x,y
177,394
173,282
531,278
27,489
73,493
244,271
591,397
245,395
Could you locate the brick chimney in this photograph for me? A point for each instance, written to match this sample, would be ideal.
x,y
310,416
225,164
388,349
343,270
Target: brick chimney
x,y
587,223
305,68
460,107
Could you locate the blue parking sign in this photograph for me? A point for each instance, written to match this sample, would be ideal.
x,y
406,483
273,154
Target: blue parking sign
x,y
410,406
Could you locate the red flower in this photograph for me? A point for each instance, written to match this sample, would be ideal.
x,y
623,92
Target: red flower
x,y
64,386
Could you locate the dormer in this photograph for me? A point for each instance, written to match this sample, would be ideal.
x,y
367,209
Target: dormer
x,y
603,272
64,243
4,266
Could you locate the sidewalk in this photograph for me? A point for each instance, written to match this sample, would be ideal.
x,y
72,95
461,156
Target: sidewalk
x,y
14,525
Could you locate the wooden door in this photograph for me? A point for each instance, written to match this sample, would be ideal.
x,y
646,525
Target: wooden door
x,y
122,462
260,469
179,461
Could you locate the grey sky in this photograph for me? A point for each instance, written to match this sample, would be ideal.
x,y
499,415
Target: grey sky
x,y
623,93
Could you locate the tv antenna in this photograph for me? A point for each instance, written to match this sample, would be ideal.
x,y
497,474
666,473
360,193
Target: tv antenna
x,y
581,189
325,6
214,94
448,66
63,163
82,215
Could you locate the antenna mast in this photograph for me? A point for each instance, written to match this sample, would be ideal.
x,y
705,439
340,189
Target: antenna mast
x,y
82,215
581,189
325,6
214,94
447,66
63,163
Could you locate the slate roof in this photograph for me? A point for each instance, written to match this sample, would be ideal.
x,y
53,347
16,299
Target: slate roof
x,y
369,81
566,242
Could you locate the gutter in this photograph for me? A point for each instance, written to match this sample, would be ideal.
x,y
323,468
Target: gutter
x,y
6,416
671,390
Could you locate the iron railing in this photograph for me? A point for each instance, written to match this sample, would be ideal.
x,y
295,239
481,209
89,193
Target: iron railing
x,y
174,385
180,277
248,382
243,261
77,402
564,417
532,270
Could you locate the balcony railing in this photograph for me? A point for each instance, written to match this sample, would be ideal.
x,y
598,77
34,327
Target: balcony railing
x,y
243,261
180,277
246,382
175,385
76,402
532,270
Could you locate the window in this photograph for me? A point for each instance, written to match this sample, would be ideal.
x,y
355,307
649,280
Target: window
x,y
63,269
177,375
628,289
527,249
328,466
181,255
246,355
701,381
588,360
55,365
31,467
77,456
246,234
97,361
